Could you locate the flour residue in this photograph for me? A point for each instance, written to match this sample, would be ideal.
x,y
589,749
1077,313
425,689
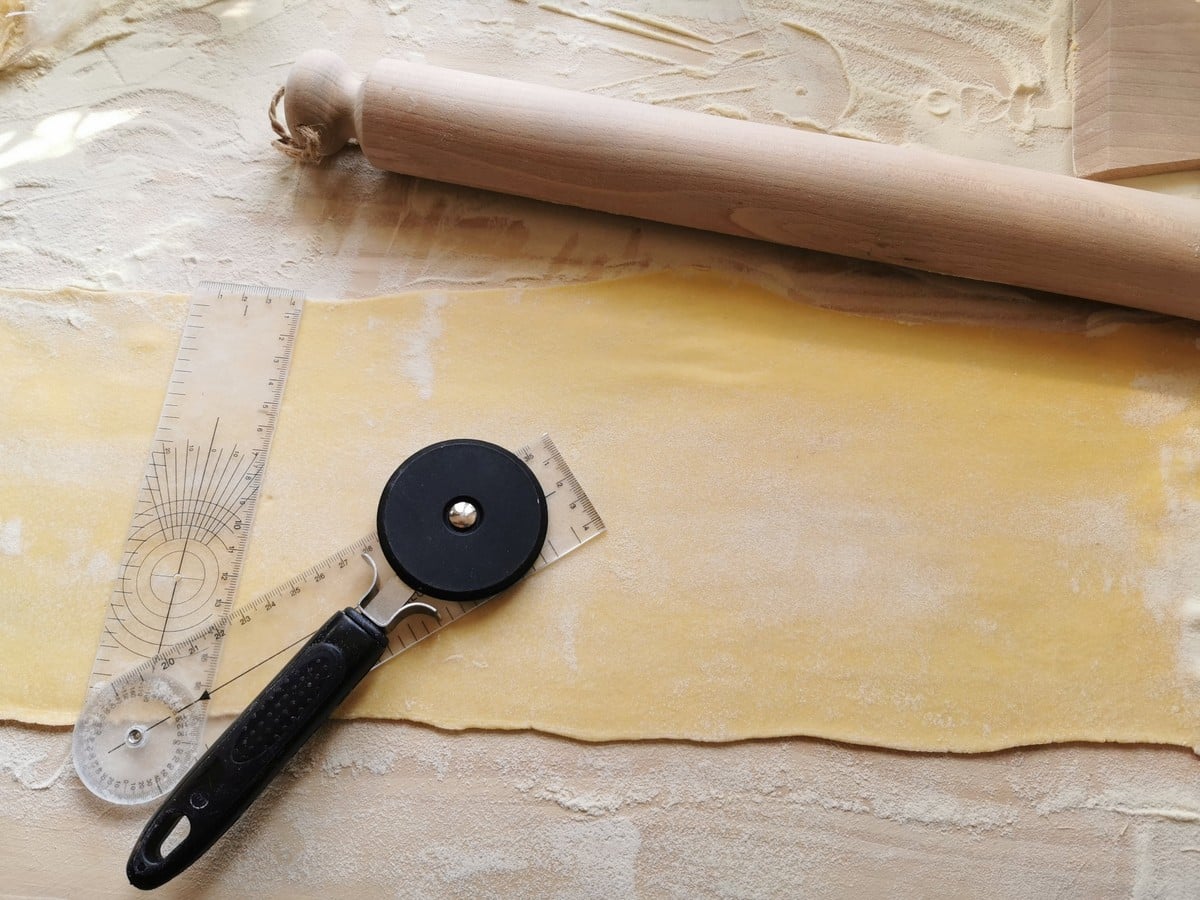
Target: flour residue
x,y
13,43
973,79
844,545
1189,641
10,537
1171,586
531,812
59,135
100,566
21,313
590,804
28,27
1160,397
420,344
632,25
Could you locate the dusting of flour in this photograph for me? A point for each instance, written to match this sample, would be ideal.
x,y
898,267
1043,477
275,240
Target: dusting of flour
x,y
498,814
420,343
10,537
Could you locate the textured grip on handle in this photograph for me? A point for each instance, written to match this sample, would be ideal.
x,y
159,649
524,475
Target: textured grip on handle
x,y
234,771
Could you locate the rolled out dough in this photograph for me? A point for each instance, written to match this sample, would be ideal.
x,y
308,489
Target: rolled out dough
x,y
934,537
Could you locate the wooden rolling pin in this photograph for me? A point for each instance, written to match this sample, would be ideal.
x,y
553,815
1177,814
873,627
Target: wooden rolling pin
x,y
898,205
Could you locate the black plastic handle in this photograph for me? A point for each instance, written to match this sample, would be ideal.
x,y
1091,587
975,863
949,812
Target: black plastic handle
x,y
225,781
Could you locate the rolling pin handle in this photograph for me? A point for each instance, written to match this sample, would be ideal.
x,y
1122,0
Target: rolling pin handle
x,y
320,100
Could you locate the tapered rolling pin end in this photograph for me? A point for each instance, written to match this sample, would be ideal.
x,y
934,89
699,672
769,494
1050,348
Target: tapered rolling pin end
x,y
320,102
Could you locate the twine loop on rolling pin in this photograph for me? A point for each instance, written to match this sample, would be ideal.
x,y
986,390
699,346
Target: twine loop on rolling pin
x,y
304,145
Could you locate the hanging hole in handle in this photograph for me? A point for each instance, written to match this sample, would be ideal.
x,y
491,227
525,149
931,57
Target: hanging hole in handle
x,y
176,836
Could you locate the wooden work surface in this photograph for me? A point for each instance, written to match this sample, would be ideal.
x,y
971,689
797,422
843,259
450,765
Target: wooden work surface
x,y
141,160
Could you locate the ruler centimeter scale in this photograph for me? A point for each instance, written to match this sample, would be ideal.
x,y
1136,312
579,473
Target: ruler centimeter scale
x,y
134,751
183,555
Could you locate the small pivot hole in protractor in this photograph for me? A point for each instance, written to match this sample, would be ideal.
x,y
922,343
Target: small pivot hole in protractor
x,y
462,520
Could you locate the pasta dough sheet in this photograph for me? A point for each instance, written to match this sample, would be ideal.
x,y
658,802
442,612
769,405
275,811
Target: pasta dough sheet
x,y
930,537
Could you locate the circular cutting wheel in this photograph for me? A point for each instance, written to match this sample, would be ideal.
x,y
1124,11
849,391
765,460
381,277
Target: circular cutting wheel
x,y
462,520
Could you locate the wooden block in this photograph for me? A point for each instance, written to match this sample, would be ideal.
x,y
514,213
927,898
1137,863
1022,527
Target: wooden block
x,y
1137,87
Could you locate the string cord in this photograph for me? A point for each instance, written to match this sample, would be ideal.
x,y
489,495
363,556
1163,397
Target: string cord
x,y
304,145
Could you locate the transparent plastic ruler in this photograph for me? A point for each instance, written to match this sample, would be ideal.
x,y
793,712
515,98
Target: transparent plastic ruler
x,y
196,500
134,750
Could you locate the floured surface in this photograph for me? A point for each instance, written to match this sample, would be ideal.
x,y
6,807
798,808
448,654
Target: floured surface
x,y
161,104
488,814
12,32
921,536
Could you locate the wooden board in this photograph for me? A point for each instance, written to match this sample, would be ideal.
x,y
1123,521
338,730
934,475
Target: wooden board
x,y
1137,87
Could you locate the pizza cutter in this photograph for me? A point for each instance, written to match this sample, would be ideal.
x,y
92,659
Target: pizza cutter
x,y
459,520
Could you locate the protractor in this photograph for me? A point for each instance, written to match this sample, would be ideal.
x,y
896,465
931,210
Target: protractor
x,y
136,736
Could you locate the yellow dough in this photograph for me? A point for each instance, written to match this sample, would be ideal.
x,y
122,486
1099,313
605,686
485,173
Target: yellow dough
x,y
933,536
